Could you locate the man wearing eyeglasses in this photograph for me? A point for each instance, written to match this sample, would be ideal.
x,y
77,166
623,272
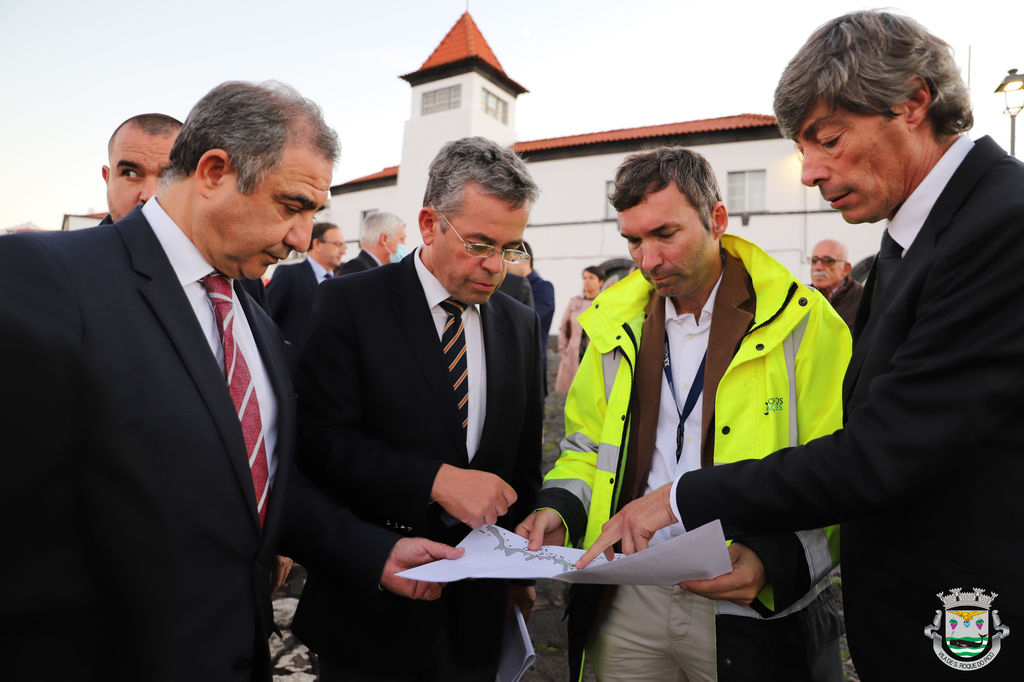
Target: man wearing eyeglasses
x,y
830,274
290,292
420,405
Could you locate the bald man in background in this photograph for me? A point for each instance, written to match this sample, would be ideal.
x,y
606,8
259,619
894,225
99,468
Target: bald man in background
x,y
830,274
138,151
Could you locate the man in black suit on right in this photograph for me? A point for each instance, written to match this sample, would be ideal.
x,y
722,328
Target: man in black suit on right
x,y
420,405
925,475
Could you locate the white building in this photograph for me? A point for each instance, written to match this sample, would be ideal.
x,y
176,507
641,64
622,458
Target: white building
x,y
461,90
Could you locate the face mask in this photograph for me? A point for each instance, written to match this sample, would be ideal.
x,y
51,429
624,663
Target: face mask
x,y
400,252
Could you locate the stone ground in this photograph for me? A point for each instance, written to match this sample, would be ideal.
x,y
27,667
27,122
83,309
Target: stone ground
x,y
292,661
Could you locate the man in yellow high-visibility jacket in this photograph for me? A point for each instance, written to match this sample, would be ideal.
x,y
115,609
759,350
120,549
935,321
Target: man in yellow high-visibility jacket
x,y
710,353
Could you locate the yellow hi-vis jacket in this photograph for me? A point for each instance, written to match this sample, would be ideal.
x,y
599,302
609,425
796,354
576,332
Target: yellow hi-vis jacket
x,y
792,359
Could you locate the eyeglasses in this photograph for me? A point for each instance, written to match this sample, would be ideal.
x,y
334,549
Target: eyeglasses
x,y
825,260
337,245
478,250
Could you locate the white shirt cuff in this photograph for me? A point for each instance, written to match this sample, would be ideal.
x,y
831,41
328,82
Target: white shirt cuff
x,y
675,507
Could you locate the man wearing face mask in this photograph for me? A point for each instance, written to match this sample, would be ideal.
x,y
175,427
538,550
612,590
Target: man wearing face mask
x,y
382,240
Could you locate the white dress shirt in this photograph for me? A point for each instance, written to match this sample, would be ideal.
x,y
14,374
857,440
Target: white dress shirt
x,y
475,360
687,342
909,219
190,267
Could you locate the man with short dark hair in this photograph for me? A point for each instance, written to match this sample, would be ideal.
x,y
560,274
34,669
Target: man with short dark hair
x,y
138,152
420,405
381,240
711,352
290,292
932,397
830,275
199,386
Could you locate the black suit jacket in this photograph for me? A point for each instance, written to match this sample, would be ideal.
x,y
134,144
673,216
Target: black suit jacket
x,y
290,299
113,292
364,261
377,421
925,477
87,545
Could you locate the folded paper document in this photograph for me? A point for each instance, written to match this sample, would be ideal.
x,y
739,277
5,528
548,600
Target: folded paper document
x,y
493,552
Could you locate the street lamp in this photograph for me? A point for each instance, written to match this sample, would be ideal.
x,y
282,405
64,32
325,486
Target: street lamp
x,y
1012,88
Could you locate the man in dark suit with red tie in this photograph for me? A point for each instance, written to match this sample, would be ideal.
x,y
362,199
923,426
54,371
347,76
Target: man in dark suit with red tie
x,y
420,405
196,375
290,292
925,475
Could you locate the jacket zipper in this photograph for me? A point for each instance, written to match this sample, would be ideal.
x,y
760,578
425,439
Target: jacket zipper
x,y
620,465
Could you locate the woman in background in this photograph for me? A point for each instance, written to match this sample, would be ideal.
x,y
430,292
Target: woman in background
x,y
572,342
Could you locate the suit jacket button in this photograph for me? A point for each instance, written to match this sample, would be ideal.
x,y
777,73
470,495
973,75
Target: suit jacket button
x,y
241,664
259,565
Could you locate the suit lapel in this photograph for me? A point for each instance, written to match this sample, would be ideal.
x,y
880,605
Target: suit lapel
x,y
497,334
984,154
167,300
409,305
310,277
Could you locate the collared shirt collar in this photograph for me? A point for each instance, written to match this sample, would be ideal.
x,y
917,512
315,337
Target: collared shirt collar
x,y
318,269
705,314
186,260
909,219
432,287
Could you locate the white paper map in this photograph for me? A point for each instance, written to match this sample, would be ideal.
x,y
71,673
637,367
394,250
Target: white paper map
x,y
493,552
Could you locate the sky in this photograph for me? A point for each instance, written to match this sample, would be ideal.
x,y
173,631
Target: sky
x,y
72,71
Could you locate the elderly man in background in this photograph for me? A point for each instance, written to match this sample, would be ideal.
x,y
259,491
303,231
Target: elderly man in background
x,y
830,274
382,240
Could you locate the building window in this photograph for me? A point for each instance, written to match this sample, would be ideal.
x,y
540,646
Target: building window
x,y
746,191
495,106
609,210
442,99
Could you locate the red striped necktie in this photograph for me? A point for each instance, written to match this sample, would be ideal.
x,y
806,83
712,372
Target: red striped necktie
x,y
241,387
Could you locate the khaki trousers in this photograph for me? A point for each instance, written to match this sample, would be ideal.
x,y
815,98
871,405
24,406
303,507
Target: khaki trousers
x,y
656,633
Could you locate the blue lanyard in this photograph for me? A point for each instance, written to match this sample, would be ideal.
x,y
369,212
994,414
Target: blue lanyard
x,y
691,398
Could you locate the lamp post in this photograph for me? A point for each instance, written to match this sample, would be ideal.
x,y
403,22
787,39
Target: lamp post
x,y
1012,88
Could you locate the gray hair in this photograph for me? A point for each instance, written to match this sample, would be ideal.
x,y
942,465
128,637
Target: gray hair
x,y
497,170
376,224
252,122
869,62
643,174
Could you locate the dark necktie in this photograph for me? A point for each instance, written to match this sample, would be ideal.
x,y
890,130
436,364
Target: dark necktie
x,y
453,344
241,388
890,255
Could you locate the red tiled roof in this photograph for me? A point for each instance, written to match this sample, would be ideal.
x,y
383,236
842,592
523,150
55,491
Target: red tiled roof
x,y
389,172
683,128
464,43
463,40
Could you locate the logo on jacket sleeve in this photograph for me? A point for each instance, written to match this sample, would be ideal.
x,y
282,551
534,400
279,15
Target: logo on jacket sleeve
x,y
966,633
